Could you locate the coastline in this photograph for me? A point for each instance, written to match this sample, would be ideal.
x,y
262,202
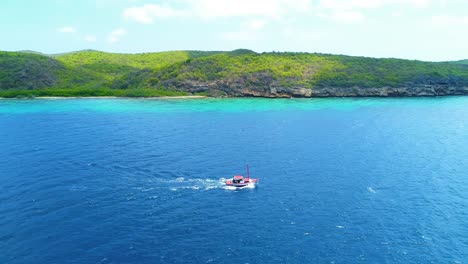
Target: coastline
x,y
229,97
107,97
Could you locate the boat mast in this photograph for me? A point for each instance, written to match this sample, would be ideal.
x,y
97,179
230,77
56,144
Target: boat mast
x,y
248,172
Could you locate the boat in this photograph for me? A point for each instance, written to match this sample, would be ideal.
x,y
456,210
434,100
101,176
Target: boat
x,y
240,181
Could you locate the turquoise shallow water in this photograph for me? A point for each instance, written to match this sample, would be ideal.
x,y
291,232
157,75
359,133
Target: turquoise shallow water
x,y
141,181
8,106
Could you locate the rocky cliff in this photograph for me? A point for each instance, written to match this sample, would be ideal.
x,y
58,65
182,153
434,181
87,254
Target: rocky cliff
x,y
223,89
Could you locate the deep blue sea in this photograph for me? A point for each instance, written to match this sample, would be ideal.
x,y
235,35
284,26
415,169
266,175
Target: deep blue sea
x,y
141,181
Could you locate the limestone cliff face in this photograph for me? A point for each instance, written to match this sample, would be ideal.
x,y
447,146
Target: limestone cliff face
x,y
269,90
264,85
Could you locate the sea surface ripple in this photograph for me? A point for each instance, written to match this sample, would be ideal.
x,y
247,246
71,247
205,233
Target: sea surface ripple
x,y
141,181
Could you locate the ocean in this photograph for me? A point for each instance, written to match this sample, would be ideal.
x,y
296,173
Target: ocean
x,y
142,180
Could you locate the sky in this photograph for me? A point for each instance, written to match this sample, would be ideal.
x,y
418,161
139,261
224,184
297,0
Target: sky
x,y
431,30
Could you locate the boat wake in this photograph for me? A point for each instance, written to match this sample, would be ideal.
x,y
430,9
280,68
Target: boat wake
x,y
182,183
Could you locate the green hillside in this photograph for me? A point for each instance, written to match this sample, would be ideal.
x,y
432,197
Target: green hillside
x,y
20,70
462,62
200,71
315,70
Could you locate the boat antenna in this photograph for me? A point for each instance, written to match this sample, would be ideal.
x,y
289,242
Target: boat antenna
x,y
248,172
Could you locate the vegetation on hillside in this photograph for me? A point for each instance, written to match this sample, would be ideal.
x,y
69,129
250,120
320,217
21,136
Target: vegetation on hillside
x,y
461,62
317,70
28,71
94,70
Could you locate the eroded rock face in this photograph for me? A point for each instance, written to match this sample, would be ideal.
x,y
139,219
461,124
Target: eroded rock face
x,y
270,90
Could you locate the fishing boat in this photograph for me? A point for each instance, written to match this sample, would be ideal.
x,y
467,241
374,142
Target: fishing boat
x,y
240,181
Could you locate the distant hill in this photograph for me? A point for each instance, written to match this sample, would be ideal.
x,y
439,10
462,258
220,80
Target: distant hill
x,y
461,62
31,51
234,73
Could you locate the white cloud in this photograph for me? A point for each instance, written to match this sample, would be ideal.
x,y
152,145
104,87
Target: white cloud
x,y
146,14
304,35
66,29
115,35
212,9
334,10
256,24
371,4
240,8
350,4
347,16
355,10
417,3
239,36
90,38
250,30
445,20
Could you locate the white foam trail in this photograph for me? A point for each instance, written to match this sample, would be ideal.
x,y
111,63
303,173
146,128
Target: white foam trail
x,y
251,186
231,188
182,183
369,189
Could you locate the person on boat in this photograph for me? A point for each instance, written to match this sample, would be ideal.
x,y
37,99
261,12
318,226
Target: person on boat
x,y
237,179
